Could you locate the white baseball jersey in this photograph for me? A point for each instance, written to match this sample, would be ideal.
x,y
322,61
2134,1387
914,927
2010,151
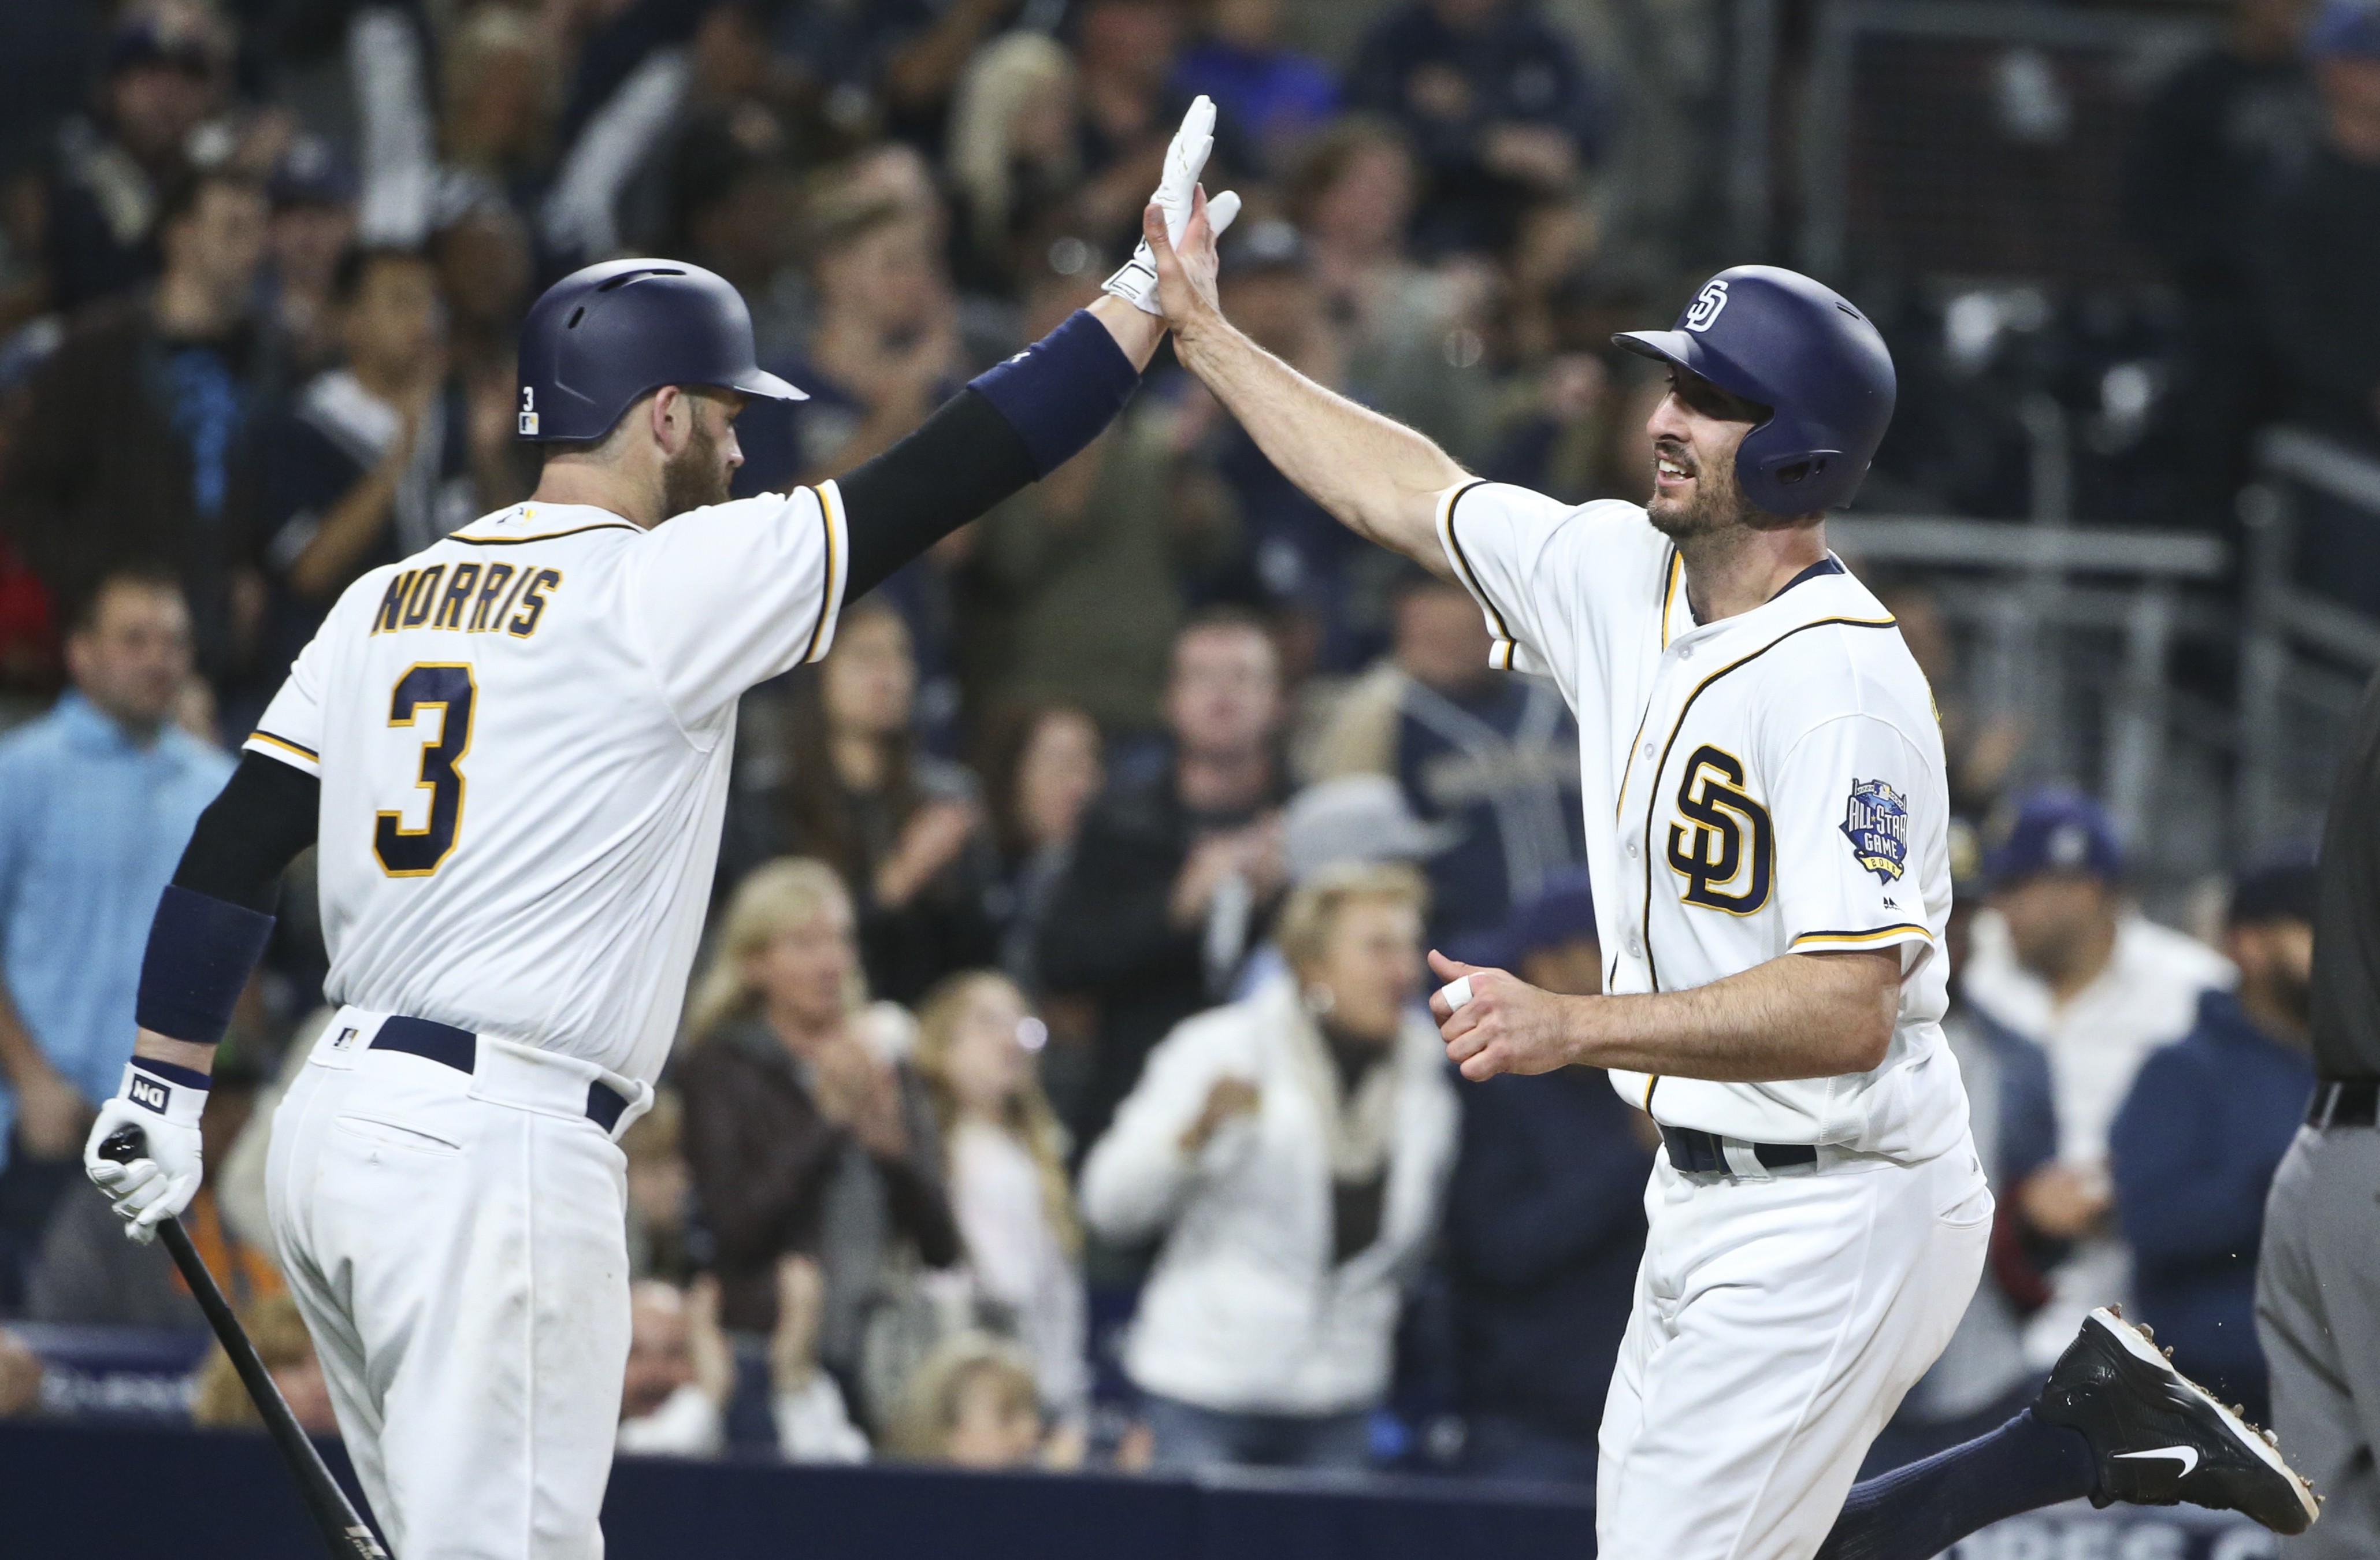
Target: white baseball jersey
x,y
523,734
1769,783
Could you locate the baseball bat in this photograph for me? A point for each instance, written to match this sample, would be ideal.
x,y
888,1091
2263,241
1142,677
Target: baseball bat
x,y
343,1529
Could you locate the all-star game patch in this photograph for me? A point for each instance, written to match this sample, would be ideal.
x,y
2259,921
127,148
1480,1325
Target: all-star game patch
x,y
1875,821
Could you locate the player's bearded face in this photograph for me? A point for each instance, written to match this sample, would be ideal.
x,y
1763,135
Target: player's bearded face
x,y
698,473
1694,489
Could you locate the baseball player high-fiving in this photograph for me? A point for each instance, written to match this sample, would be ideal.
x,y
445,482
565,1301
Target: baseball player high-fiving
x,y
512,751
1767,833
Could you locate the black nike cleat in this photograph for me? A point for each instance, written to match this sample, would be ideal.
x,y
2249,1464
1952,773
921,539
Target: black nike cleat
x,y
2158,1438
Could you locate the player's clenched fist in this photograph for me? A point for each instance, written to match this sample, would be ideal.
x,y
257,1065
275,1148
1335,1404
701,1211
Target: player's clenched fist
x,y
1495,1022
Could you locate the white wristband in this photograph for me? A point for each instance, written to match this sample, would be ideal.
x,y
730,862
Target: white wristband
x,y
177,1102
1456,992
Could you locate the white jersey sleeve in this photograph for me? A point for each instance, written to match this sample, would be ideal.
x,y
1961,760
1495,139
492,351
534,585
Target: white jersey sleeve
x,y
291,728
1851,796
728,595
1552,579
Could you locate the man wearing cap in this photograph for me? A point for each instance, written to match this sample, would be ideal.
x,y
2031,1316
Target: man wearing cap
x,y
1763,778
2318,1277
2207,1122
2063,959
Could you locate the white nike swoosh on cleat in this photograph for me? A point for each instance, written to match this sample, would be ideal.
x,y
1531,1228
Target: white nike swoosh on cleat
x,y
2186,1455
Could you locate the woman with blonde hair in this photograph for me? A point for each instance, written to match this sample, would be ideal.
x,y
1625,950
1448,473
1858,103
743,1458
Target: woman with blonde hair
x,y
978,1046
805,1131
1012,155
273,1325
1292,1149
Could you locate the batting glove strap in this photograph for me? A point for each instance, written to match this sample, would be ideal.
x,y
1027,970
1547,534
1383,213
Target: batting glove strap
x,y
177,1093
1135,280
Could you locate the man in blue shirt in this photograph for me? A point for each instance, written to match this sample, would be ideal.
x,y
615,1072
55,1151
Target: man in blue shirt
x,y
2207,1122
101,797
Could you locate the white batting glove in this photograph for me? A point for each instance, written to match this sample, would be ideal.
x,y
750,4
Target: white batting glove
x,y
1137,282
160,1184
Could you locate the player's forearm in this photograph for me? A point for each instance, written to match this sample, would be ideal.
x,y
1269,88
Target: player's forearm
x,y
1806,1015
1377,477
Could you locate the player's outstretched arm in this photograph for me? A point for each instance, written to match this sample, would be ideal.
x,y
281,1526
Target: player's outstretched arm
x,y
1803,1015
212,924
1380,479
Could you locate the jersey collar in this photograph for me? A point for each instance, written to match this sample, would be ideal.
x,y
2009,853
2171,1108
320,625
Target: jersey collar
x,y
1833,591
538,522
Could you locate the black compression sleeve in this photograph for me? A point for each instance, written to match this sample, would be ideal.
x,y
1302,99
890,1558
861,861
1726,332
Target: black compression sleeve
x,y
250,832
962,460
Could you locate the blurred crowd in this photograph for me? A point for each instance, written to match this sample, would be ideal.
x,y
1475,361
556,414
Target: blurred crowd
x,y
1054,1089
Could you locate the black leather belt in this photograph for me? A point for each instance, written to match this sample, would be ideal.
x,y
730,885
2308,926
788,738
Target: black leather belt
x,y
2345,1104
1696,1152
459,1048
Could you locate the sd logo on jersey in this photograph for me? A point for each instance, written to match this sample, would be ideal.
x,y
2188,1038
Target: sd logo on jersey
x,y
1875,821
1725,857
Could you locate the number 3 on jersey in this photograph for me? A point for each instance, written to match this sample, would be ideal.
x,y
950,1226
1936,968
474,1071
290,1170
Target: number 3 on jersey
x,y
448,687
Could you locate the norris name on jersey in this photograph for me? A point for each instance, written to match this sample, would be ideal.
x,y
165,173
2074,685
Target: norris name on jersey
x,y
479,598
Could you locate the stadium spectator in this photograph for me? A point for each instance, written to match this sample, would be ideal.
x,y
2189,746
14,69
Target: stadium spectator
x,y
133,429
167,74
805,1135
1545,1225
371,461
905,829
102,793
2208,1121
660,1191
883,351
87,1273
1290,1150
977,1044
2207,150
1046,767
1281,97
278,1333
2321,224
1174,873
1492,759
500,79
1982,1376
1496,104
2064,960
1123,59
1353,196
970,1405
683,1375
1079,584
313,201
889,65
1013,160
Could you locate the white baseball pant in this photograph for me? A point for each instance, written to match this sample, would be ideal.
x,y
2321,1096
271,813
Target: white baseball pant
x,y
1778,1321
457,1243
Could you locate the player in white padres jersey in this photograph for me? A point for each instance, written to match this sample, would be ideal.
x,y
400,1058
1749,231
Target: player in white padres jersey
x,y
512,750
1766,832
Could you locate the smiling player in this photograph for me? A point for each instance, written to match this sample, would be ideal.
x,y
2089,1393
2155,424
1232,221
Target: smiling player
x,y
1767,833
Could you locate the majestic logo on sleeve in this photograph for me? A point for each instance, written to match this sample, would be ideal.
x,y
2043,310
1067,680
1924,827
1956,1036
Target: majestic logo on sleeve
x,y
1875,821
1703,312
1725,857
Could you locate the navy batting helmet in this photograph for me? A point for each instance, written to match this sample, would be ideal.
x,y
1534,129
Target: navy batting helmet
x,y
600,338
1798,349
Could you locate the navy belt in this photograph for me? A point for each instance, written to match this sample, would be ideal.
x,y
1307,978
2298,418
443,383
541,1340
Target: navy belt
x,y
459,1048
1696,1152
2345,1104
